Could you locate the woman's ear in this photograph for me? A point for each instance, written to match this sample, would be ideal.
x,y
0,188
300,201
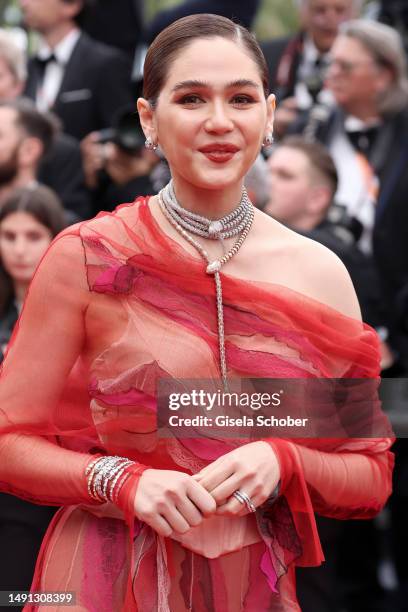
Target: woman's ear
x,y
147,119
270,109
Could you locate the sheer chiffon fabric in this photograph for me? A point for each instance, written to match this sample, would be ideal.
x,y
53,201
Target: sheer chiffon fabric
x,y
115,305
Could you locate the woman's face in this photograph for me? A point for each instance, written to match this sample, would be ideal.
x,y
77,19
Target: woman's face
x,y
23,241
211,115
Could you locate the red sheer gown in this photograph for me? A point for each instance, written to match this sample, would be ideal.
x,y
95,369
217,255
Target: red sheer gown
x,y
115,305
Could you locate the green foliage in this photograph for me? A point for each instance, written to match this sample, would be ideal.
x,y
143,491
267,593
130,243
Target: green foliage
x,y
276,18
3,6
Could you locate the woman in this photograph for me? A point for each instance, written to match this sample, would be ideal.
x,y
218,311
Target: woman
x,y
124,301
29,219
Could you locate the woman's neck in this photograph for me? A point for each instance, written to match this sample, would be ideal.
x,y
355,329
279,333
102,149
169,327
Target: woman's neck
x,y
20,292
210,203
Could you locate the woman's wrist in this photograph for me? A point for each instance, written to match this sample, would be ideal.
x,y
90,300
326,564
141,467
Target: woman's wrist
x,y
106,476
283,452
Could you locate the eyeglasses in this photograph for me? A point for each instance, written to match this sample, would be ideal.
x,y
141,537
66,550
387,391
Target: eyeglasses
x,y
347,67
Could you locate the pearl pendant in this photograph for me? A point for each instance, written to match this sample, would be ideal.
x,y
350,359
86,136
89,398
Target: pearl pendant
x,y
215,227
214,266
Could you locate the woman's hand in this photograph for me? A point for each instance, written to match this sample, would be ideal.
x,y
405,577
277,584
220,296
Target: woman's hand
x,y
171,501
252,468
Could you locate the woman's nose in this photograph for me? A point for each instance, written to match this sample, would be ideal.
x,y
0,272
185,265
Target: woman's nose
x,y
20,246
219,120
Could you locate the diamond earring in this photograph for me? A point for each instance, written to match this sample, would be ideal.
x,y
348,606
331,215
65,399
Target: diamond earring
x,y
149,144
268,140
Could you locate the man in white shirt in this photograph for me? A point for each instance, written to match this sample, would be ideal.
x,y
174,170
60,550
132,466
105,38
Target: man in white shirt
x,y
83,81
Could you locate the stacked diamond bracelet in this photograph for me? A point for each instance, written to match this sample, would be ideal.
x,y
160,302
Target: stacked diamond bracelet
x,y
106,475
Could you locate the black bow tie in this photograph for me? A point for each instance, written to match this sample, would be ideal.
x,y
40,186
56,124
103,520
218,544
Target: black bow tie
x,y
42,63
363,140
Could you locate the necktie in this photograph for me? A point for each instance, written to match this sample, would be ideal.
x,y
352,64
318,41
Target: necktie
x,y
314,80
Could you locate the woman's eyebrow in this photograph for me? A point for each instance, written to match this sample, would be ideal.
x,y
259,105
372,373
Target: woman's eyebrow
x,y
196,84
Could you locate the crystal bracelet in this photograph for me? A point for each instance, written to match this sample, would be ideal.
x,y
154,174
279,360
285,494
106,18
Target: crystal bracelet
x,y
106,475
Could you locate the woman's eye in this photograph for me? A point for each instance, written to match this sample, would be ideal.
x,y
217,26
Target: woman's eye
x,y
242,100
8,236
190,99
34,236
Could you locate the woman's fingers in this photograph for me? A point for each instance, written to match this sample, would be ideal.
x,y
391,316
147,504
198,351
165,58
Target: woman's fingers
x,y
209,468
222,492
201,498
219,474
232,506
237,507
175,519
160,525
190,512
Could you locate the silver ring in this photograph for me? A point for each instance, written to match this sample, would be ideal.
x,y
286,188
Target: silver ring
x,y
243,498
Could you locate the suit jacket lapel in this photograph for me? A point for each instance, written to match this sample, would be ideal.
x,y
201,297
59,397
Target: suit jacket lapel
x,y
30,89
73,68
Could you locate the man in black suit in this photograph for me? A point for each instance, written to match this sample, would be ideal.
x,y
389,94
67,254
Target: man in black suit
x,y
297,64
84,82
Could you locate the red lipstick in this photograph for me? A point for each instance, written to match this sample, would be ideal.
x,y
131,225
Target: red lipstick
x,y
219,152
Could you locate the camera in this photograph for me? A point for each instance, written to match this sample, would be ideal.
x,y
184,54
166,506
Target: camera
x,y
347,228
126,132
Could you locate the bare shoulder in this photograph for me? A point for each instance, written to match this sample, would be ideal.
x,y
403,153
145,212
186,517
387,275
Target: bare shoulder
x,y
309,268
328,277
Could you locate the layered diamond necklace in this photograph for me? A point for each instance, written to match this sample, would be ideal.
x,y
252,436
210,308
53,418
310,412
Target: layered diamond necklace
x,y
237,223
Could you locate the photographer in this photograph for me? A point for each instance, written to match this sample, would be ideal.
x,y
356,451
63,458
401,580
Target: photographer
x,y
116,163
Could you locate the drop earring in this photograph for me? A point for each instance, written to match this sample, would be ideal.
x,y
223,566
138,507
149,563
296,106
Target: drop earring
x,y
268,140
150,145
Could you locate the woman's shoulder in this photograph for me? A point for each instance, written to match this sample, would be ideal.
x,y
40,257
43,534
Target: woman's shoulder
x,y
127,213
310,268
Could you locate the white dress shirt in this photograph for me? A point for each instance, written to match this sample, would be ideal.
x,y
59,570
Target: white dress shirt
x,y
54,71
307,66
358,184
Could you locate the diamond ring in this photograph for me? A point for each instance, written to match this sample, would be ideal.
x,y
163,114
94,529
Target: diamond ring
x,y
243,498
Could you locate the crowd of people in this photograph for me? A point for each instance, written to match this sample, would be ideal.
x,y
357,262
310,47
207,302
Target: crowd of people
x,y
71,145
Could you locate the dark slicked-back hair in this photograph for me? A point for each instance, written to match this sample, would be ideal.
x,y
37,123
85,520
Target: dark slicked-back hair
x,y
168,45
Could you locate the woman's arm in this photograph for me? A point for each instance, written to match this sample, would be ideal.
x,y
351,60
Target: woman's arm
x,y
45,345
41,357
336,484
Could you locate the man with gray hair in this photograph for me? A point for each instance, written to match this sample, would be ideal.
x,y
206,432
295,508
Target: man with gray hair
x,y
13,71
